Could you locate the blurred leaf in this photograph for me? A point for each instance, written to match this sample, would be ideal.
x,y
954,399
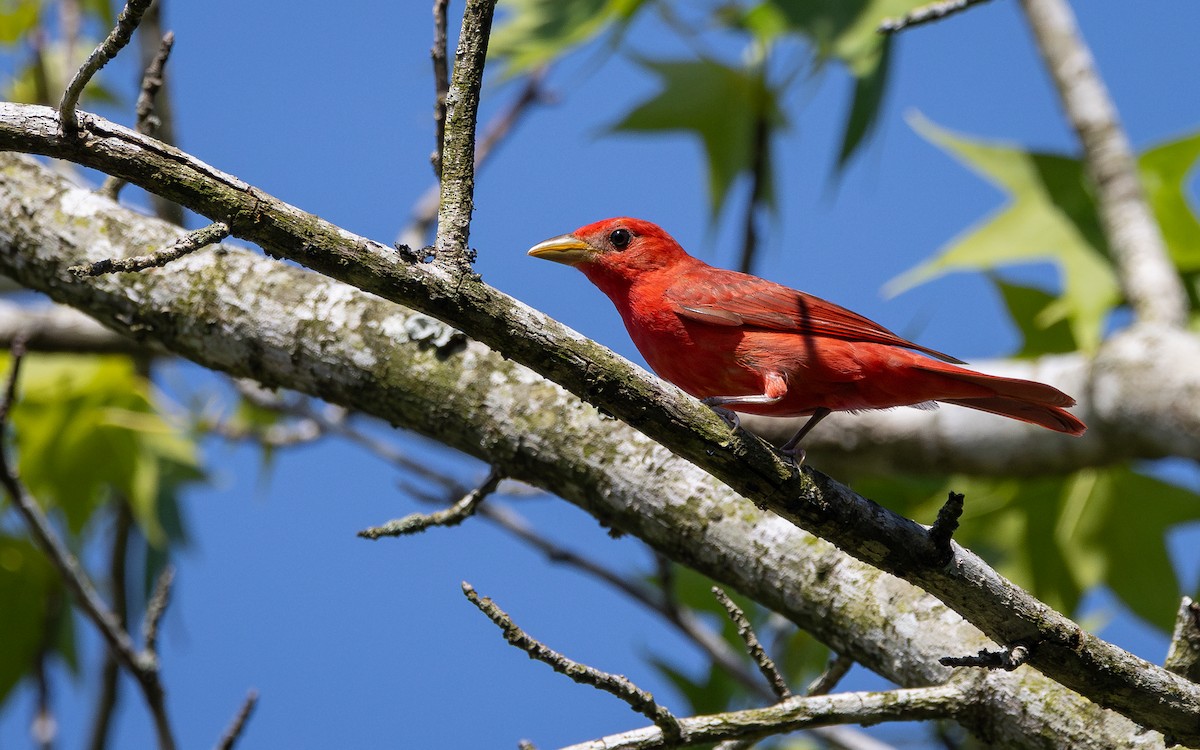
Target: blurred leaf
x,y
1115,524
1026,306
846,30
1060,536
1164,170
1051,217
719,104
17,18
863,115
28,584
87,427
533,32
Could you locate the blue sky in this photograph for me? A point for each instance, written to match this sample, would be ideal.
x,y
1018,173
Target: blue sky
x,y
353,643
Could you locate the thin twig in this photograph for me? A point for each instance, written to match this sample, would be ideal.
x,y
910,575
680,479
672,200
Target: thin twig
x,y
234,732
147,121
451,516
425,210
441,81
116,40
155,609
835,670
189,243
685,620
1148,277
757,652
458,151
110,685
74,577
925,14
639,700
1008,658
759,179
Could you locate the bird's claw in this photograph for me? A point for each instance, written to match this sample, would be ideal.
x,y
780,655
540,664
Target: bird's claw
x,y
794,456
728,416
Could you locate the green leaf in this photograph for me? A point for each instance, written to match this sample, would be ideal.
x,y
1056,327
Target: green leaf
x,y
1027,307
711,694
844,30
1115,523
863,115
28,586
534,32
1164,170
1050,217
719,104
87,427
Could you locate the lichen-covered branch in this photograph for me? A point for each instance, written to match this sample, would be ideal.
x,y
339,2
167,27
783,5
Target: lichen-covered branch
x,y
1151,283
315,335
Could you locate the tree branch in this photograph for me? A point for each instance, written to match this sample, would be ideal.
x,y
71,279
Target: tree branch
x,y
1151,283
361,354
757,652
799,712
1184,656
57,328
147,122
458,150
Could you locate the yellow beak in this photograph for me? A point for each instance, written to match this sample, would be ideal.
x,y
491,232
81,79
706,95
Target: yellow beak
x,y
566,248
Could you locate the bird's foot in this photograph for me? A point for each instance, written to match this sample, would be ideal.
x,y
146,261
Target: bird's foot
x,y
728,416
794,455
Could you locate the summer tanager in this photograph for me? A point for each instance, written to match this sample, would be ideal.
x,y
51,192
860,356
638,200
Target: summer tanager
x,y
741,343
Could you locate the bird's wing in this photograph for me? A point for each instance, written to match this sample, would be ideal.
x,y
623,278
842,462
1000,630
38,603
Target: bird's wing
x,y
728,298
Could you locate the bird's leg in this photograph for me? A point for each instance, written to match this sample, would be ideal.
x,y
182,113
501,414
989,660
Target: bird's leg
x,y
776,387
791,448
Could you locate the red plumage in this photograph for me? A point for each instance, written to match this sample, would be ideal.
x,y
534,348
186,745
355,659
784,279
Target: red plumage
x,y
758,347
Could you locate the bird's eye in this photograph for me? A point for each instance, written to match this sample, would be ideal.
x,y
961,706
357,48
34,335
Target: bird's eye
x,y
620,238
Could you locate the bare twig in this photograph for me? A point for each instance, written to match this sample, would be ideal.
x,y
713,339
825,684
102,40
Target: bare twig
x,y
155,609
639,700
441,81
425,210
835,670
1184,655
757,652
458,150
147,121
451,516
1008,658
1148,277
74,577
116,40
683,619
759,179
234,732
942,531
110,685
797,712
189,243
925,14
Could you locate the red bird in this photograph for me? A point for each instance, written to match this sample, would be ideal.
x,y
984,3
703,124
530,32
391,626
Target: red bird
x,y
741,343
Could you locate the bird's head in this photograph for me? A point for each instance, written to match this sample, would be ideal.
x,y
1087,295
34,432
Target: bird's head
x,y
622,247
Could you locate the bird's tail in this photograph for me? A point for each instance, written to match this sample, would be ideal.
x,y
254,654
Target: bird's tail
x,y
1036,403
